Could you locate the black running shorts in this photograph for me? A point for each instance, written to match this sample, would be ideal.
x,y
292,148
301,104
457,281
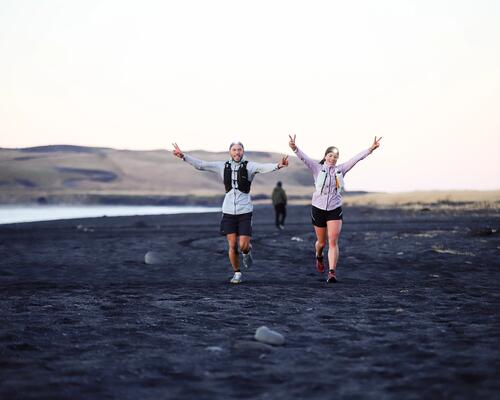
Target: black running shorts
x,y
240,224
319,216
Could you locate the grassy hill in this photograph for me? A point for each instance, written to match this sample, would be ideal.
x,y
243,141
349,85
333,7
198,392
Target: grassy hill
x,y
90,175
74,174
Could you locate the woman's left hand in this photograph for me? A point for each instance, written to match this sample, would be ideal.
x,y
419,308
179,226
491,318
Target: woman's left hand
x,y
376,143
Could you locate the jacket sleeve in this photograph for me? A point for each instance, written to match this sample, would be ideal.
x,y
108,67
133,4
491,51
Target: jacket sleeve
x,y
313,165
345,167
258,168
212,166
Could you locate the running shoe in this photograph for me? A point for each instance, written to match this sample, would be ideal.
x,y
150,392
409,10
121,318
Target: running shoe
x,y
236,278
247,259
331,276
320,265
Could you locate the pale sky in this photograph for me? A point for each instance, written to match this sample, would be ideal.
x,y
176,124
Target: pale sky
x,y
140,75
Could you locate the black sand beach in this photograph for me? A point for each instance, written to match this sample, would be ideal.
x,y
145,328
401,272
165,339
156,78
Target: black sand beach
x,y
414,316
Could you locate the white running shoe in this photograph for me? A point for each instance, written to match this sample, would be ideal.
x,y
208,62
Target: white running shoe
x,y
247,259
236,278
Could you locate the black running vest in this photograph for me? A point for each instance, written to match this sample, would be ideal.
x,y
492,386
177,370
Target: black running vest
x,y
243,182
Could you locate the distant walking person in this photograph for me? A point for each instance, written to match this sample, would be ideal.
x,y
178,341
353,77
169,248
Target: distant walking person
x,y
326,211
279,203
237,175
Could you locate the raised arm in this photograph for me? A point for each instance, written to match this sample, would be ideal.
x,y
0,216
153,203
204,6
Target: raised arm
x,y
345,167
177,152
313,165
213,166
256,168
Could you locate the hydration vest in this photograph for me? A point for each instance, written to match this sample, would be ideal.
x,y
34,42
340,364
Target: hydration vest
x,y
321,180
243,182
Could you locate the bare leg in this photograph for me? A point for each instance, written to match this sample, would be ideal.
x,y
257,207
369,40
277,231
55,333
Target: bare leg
x,y
334,228
234,257
245,243
320,240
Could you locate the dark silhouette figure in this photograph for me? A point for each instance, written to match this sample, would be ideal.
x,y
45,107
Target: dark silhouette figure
x,y
279,203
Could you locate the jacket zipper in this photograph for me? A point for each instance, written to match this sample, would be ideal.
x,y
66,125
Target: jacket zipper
x,y
235,173
329,189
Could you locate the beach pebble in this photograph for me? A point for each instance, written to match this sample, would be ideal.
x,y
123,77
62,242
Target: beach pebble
x,y
215,349
152,257
84,228
265,335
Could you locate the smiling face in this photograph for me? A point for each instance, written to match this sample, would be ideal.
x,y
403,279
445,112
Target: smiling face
x,y
236,152
331,156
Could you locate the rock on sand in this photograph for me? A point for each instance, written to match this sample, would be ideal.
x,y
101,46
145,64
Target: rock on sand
x,y
265,335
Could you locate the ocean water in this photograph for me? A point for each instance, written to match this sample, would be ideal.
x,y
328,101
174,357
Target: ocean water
x,y
15,214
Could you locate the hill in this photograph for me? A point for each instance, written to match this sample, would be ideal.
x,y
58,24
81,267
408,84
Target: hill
x,y
95,175
75,174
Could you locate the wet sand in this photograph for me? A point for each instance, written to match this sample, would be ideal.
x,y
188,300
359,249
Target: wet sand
x,y
415,314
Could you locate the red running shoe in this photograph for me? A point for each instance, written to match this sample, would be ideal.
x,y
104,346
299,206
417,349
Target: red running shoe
x,y
331,276
320,265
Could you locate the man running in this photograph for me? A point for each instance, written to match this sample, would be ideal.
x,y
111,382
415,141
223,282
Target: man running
x,y
237,175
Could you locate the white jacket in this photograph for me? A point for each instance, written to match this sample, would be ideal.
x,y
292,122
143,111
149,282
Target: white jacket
x,y
235,202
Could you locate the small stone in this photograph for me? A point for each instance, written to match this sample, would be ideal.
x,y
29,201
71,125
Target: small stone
x,y
152,257
215,349
265,335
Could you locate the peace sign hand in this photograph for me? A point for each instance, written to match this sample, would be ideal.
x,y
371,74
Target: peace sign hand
x,y
291,143
177,151
376,143
283,163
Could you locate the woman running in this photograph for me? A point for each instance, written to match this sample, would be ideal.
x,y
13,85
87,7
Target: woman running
x,y
326,212
237,174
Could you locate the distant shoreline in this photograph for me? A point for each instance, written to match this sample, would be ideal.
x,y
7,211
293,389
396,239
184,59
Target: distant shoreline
x,y
473,198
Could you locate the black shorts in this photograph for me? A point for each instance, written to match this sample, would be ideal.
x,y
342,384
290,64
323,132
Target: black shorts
x,y
319,216
240,224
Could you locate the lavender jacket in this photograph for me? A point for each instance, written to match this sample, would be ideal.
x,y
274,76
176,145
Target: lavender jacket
x,y
327,196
